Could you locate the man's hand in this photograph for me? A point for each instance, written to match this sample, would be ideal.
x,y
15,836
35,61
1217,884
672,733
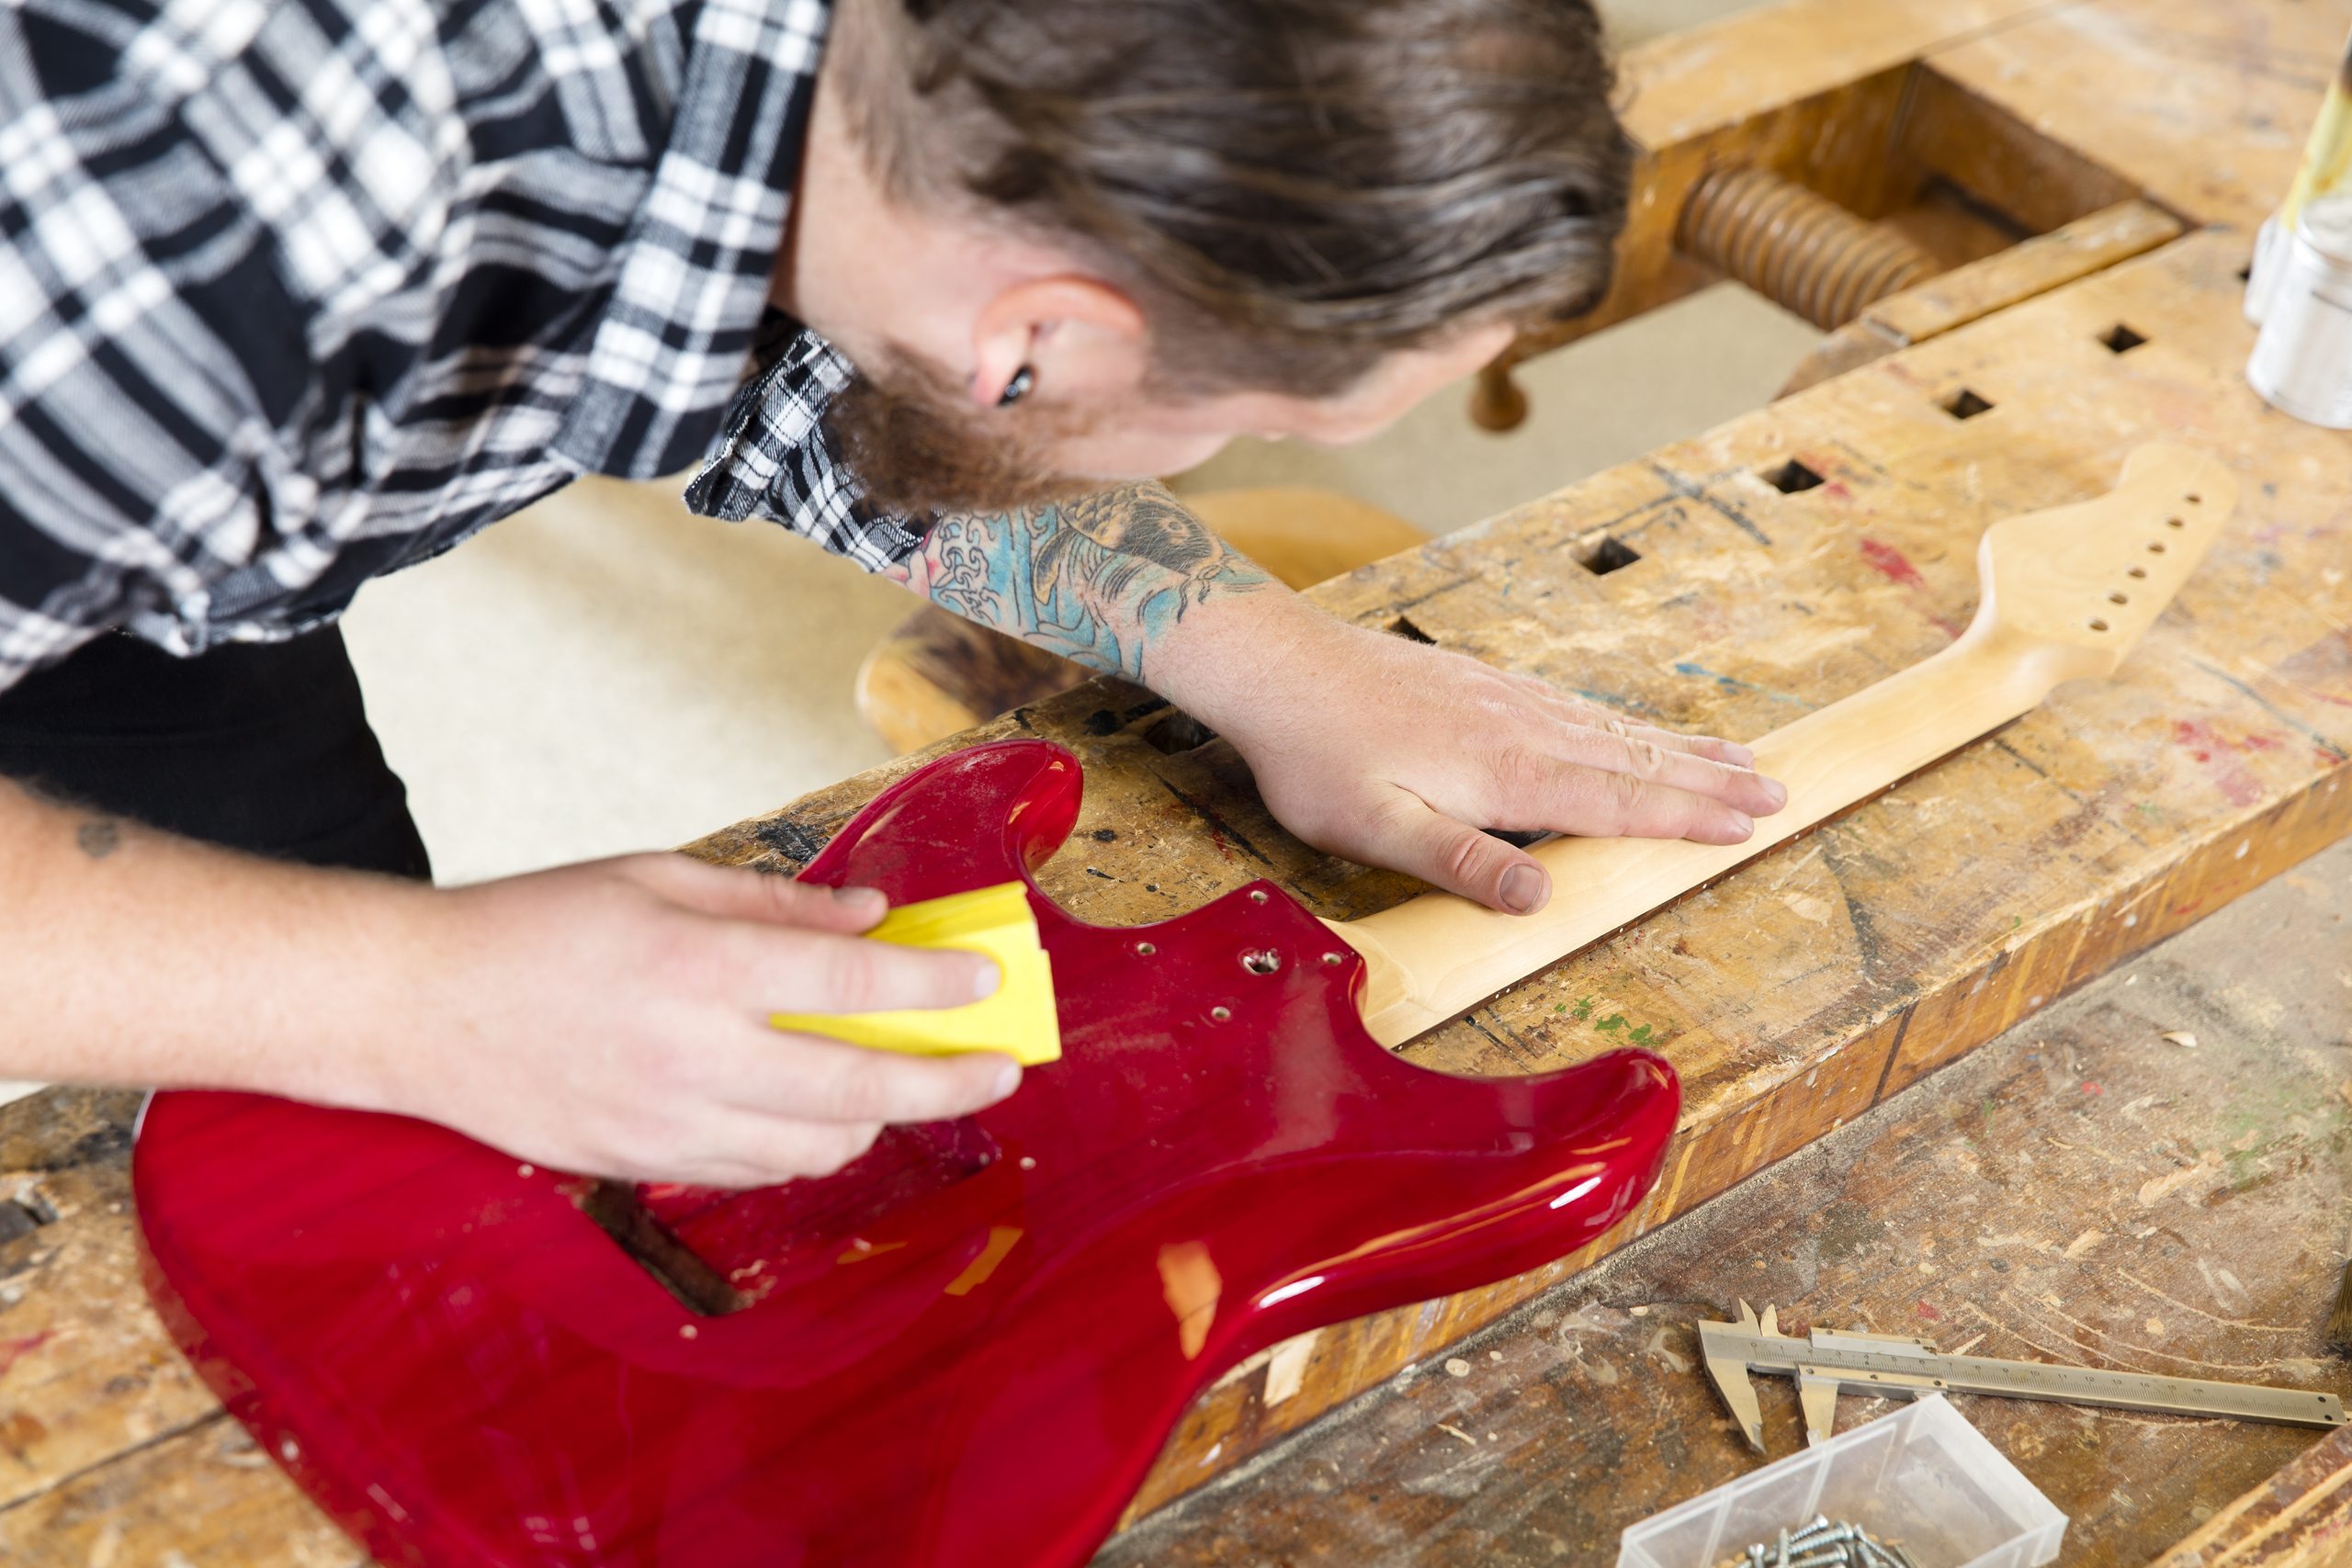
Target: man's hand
x,y
608,1018
1367,746
1397,754
612,1018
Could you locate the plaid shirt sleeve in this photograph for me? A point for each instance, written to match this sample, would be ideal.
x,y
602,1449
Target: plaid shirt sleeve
x,y
774,458
292,295
141,328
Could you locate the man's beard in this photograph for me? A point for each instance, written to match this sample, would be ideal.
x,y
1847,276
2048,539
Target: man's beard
x,y
919,447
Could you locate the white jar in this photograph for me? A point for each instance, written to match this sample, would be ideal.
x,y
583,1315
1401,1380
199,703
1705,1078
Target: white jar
x,y
2302,360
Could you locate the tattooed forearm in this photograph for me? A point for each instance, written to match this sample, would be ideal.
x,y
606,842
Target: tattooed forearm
x,y
1098,579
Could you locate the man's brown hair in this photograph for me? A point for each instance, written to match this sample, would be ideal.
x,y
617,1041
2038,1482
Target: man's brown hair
x,y
1293,188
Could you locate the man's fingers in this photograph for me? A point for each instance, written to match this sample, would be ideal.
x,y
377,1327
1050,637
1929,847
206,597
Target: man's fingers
x,y
737,893
1584,711
808,971
1676,770
826,1081
799,1105
1595,803
747,1149
1708,746
1460,859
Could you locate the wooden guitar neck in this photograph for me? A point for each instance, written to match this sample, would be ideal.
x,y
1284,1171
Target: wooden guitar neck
x,y
2064,594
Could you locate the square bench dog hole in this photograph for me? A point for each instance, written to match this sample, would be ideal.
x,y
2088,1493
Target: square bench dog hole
x,y
1965,404
1602,555
1791,478
1177,733
2120,339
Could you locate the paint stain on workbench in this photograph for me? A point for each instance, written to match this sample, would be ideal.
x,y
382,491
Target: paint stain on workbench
x,y
1891,564
2220,755
1896,568
15,1350
1733,684
1611,1022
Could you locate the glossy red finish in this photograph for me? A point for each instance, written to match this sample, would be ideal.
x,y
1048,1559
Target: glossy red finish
x,y
965,1349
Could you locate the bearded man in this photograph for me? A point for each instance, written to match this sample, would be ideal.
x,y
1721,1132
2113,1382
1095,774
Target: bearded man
x,y
294,294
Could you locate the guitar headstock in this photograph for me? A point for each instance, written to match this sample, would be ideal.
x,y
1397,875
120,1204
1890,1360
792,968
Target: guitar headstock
x,y
2083,582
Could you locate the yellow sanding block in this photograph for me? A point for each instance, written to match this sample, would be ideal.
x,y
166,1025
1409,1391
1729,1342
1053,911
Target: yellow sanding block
x,y
1018,1019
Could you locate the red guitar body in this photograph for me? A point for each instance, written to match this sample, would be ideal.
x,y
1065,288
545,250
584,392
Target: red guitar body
x,y
966,1348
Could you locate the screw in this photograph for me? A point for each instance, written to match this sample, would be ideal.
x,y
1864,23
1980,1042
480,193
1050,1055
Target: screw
x,y
1780,1557
1822,1558
1820,1532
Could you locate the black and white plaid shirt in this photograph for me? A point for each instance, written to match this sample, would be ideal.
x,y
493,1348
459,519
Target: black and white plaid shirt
x,y
294,294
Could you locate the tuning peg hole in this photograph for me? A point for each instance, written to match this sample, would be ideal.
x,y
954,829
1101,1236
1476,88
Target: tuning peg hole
x,y
2098,625
2157,548
2137,571
2119,599
2175,523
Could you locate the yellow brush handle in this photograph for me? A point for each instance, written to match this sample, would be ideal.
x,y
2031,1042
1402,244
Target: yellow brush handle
x,y
1019,1019
2327,156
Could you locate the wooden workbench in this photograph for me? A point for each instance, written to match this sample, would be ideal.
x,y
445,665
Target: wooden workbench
x,y
2142,139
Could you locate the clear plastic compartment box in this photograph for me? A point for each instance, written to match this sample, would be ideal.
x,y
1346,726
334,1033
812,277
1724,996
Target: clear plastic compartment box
x,y
1921,1476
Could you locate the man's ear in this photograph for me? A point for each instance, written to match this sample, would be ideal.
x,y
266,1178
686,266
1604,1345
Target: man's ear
x,y
1075,333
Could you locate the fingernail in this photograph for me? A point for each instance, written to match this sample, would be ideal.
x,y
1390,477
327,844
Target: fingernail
x,y
862,898
1008,1080
1739,754
1744,822
1776,793
987,980
1524,889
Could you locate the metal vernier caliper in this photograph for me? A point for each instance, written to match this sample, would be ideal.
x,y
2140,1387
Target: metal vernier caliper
x,y
1826,1363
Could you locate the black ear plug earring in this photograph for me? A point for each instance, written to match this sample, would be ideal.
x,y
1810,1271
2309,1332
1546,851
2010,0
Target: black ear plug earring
x,y
1016,388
